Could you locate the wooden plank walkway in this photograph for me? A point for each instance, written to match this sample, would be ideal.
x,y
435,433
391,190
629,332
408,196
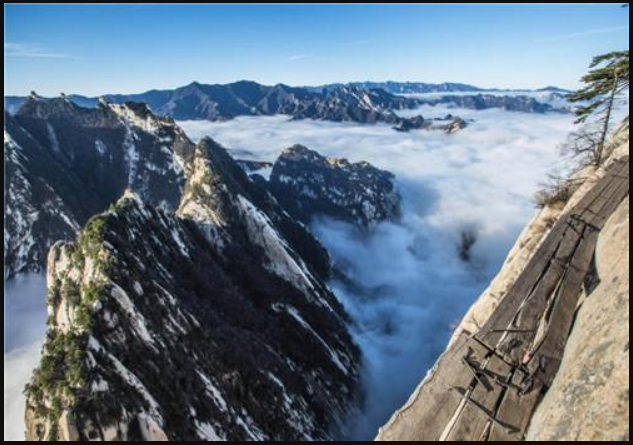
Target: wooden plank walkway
x,y
488,385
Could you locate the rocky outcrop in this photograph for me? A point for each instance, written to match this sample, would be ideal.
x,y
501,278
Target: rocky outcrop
x,y
65,163
212,189
206,325
454,125
309,185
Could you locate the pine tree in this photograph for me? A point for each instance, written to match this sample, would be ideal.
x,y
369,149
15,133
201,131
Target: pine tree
x,y
607,79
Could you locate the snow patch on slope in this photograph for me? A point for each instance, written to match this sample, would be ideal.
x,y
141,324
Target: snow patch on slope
x,y
280,261
336,358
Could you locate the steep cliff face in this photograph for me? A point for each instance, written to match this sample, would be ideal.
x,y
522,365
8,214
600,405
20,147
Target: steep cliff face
x,y
112,147
218,195
203,326
35,212
65,163
588,399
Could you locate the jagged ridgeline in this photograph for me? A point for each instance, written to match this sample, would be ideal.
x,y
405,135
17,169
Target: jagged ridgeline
x,y
207,324
244,98
64,163
309,185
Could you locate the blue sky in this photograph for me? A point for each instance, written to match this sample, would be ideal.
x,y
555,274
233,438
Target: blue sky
x,y
96,49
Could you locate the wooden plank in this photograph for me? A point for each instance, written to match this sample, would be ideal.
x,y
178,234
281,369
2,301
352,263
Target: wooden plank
x,y
621,167
548,355
525,326
594,194
467,398
516,410
427,421
530,313
598,221
523,286
617,173
506,315
475,418
596,191
515,344
595,213
570,241
582,209
611,204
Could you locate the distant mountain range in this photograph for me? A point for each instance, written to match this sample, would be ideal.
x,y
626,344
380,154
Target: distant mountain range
x,y
223,102
485,101
405,87
394,87
363,102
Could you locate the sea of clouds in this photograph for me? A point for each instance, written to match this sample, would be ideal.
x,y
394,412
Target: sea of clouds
x,y
412,287
556,100
24,329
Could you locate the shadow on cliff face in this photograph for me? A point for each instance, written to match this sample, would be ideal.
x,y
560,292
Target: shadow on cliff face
x,y
24,328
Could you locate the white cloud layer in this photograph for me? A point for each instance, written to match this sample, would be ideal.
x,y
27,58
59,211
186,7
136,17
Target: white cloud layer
x,y
486,173
24,328
416,288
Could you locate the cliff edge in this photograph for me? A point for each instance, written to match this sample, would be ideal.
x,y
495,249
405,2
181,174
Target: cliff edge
x,y
588,397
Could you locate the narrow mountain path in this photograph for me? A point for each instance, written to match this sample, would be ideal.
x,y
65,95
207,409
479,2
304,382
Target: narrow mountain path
x,y
488,384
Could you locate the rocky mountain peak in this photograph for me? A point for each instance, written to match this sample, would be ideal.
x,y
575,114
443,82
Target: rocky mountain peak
x,y
215,175
129,197
219,163
299,152
309,185
65,163
137,109
139,115
205,198
455,124
219,194
55,108
159,333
